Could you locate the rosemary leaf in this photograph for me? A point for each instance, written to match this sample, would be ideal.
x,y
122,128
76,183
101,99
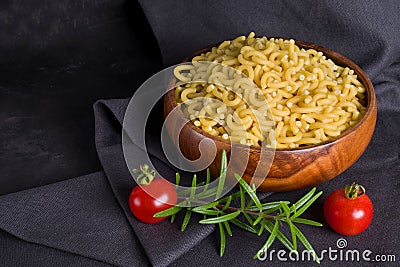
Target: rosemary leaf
x,y
222,218
186,219
272,210
184,193
193,188
248,218
253,187
223,239
286,209
242,198
234,195
293,232
243,226
206,194
173,218
262,227
208,178
267,206
259,218
227,203
206,212
281,237
306,244
222,176
304,199
206,206
293,209
306,221
177,179
168,212
305,206
269,241
249,191
228,228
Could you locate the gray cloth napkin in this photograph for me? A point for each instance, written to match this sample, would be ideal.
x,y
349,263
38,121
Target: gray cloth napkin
x,y
162,242
89,216
82,215
79,215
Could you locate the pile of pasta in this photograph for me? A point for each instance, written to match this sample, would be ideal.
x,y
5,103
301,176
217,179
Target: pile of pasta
x,y
269,93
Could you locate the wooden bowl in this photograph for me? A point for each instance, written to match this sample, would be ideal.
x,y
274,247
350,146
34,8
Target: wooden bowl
x,y
296,168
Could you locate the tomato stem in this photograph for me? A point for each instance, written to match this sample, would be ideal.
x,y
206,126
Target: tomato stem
x,y
144,175
354,190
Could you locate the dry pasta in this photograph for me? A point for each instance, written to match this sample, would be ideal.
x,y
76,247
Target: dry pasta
x,y
269,92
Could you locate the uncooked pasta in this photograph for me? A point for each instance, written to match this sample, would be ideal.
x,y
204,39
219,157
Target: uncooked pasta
x,y
269,92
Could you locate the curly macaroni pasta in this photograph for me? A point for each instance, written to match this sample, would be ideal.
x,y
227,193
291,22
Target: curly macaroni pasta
x,y
269,92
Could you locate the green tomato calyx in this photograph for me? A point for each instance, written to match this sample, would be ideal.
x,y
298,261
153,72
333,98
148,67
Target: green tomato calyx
x,y
144,175
354,190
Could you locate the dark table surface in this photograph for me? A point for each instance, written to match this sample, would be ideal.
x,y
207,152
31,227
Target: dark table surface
x,y
57,59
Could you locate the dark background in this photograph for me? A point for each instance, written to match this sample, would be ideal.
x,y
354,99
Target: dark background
x,y
56,59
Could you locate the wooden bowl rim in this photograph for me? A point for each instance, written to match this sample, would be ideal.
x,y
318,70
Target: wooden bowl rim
x,y
334,56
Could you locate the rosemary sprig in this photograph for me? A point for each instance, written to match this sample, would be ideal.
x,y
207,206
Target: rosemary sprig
x,y
252,215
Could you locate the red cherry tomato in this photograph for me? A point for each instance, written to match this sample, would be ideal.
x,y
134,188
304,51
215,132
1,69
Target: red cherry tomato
x,y
349,210
151,196
147,200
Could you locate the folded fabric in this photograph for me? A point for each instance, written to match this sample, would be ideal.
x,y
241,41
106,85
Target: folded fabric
x,y
156,239
364,31
82,216
79,215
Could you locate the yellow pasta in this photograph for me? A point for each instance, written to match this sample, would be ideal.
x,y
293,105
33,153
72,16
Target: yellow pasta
x,y
269,92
